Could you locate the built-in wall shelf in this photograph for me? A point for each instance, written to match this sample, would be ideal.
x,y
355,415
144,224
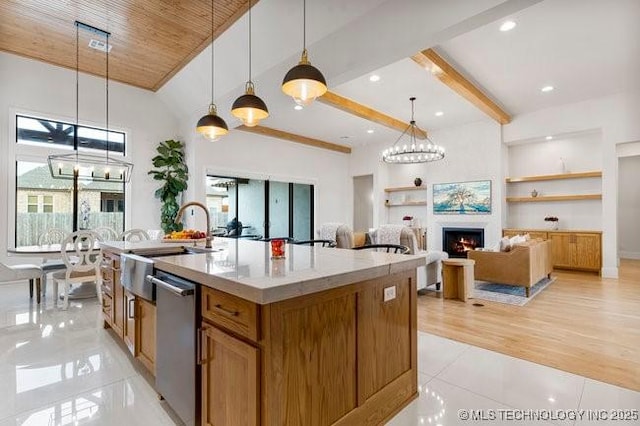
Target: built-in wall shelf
x,y
406,203
541,198
538,178
405,188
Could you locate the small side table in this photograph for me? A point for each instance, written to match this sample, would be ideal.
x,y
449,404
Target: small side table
x,y
457,278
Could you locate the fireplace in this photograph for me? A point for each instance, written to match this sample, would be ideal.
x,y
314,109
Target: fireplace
x,y
458,241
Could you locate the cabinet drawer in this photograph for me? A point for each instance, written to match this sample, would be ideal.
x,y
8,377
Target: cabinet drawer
x,y
230,312
107,286
107,307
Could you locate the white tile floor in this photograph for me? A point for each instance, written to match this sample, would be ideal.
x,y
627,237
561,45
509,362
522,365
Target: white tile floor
x,y
62,368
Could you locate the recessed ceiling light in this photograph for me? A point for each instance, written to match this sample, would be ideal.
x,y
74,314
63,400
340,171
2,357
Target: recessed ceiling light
x,y
547,89
549,138
439,113
374,77
344,137
370,131
298,107
507,26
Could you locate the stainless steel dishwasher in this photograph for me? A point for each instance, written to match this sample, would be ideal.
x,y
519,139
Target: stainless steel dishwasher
x,y
176,300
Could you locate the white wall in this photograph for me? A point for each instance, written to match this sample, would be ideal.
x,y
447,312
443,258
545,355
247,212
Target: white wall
x,y
617,118
629,207
563,154
473,152
32,87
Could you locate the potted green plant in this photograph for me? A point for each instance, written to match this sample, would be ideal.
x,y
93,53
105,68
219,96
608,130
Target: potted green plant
x,y
172,171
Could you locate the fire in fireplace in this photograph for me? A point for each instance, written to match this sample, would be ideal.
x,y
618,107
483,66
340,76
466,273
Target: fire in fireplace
x,y
458,241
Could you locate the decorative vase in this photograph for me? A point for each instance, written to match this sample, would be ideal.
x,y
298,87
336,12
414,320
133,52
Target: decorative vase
x,y
417,181
534,193
553,225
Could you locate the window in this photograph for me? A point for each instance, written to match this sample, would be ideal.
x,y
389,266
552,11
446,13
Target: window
x,y
32,204
111,202
38,131
47,203
43,202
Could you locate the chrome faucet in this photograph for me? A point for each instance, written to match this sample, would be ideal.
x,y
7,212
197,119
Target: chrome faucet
x,y
198,204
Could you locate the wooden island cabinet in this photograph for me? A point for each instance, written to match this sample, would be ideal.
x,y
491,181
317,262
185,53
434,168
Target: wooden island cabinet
x,y
325,337
132,319
339,357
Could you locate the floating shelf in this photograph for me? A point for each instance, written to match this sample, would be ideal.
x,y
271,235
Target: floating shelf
x,y
541,198
406,203
405,188
555,177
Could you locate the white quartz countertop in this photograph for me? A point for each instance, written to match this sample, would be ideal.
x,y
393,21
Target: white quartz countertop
x,y
245,269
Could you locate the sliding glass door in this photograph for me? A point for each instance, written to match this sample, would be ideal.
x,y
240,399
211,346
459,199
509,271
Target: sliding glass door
x,y
252,207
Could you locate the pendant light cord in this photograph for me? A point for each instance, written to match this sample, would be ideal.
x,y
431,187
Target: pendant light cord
x,y
304,25
249,41
75,142
107,95
212,55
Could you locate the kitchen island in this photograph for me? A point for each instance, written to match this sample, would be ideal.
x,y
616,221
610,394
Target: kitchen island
x,y
322,337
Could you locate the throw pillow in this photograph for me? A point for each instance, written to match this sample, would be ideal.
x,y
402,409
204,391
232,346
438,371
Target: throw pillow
x,y
505,244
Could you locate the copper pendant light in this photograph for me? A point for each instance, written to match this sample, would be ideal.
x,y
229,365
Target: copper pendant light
x,y
212,126
249,108
304,82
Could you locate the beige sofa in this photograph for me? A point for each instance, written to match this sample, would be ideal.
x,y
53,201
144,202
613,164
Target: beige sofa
x,y
523,266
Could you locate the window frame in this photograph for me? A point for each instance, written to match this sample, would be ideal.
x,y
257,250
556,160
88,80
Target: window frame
x,y
38,153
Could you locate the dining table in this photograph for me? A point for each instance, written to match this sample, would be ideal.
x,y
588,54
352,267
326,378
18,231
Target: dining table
x,y
54,252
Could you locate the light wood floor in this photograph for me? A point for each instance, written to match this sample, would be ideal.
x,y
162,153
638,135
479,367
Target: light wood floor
x,y
582,323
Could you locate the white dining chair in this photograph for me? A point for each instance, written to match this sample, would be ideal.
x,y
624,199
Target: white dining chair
x,y
134,235
106,233
49,237
33,273
82,257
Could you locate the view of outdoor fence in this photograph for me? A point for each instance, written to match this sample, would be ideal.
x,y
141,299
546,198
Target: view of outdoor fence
x,y
29,226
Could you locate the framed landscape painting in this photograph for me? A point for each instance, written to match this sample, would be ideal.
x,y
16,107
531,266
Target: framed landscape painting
x,y
462,197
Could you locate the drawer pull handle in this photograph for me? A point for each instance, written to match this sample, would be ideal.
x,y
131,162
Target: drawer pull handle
x,y
132,311
226,311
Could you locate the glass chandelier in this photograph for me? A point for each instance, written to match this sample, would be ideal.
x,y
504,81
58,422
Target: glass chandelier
x,y
88,166
412,151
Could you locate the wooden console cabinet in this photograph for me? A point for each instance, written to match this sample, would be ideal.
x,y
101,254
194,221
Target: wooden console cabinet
x,y
339,357
574,250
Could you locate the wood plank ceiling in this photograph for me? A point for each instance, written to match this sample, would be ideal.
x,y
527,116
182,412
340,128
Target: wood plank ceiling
x,y
152,39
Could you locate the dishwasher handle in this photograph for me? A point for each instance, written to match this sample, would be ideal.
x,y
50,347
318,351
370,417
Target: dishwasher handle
x,y
173,289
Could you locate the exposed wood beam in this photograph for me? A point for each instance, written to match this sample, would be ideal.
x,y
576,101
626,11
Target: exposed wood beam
x,y
430,60
363,111
292,137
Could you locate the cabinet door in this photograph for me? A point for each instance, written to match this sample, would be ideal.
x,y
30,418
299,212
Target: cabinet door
x,y
586,253
230,381
146,334
561,249
118,305
129,331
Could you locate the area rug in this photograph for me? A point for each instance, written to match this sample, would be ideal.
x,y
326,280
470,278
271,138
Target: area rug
x,y
512,295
